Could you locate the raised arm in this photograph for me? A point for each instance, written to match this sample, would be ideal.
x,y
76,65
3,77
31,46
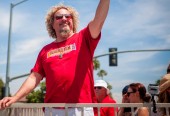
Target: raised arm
x,y
96,24
30,83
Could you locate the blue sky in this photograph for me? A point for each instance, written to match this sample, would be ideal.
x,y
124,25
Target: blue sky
x,y
130,25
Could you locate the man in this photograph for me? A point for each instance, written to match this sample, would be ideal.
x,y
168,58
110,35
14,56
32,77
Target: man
x,y
66,63
102,95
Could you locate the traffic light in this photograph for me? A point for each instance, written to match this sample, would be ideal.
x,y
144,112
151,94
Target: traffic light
x,y
113,57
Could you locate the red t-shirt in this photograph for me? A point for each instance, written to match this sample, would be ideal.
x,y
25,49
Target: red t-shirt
x,y
106,111
69,79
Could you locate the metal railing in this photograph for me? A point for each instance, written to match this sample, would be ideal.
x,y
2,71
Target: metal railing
x,y
36,109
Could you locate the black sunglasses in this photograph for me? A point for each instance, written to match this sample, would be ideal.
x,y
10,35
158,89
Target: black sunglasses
x,y
128,93
97,87
60,16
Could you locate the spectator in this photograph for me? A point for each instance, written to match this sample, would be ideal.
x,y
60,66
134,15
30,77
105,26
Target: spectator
x,y
164,92
137,94
102,95
127,110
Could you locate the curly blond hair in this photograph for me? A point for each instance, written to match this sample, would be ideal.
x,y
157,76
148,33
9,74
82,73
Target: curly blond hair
x,y
50,18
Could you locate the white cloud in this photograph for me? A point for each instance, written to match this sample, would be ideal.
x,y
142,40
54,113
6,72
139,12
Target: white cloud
x,y
136,57
158,68
138,20
168,39
4,22
18,19
28,47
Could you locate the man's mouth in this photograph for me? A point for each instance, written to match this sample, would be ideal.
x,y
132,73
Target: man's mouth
x,y
64,24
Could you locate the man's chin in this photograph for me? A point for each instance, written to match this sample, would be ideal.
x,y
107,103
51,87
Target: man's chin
x,y
65,33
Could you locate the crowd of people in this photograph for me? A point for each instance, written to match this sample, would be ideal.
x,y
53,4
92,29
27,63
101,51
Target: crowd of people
x,y
134,93
67,66
137,93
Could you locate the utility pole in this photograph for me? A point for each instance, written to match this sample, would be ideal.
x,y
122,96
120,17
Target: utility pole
x,y
9,47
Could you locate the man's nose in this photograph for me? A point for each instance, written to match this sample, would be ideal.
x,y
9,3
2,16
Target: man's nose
x,y
64,17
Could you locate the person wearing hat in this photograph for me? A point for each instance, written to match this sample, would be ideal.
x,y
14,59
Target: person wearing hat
x,y
127,110
164,92
102,95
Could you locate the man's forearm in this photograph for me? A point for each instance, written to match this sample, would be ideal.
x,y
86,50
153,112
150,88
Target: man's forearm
x,y
102,11
96,24
30,83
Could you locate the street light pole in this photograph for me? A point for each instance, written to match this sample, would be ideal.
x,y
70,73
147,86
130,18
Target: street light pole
x,y
9,48
118,52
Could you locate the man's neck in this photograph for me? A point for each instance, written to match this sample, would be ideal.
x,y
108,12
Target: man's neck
x,y
63,38
101,98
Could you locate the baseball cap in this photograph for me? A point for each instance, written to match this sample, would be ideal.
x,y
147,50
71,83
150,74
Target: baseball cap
x,y
125,89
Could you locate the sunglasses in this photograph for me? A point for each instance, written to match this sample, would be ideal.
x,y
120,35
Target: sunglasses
x,y
60,16
128,93
97,87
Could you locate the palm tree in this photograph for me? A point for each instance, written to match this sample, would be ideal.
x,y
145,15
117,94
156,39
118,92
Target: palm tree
x,y
102,73
96,64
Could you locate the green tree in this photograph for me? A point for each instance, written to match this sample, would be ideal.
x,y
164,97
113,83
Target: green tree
x,y
109,87
96,64
37,96
101,73
1,86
